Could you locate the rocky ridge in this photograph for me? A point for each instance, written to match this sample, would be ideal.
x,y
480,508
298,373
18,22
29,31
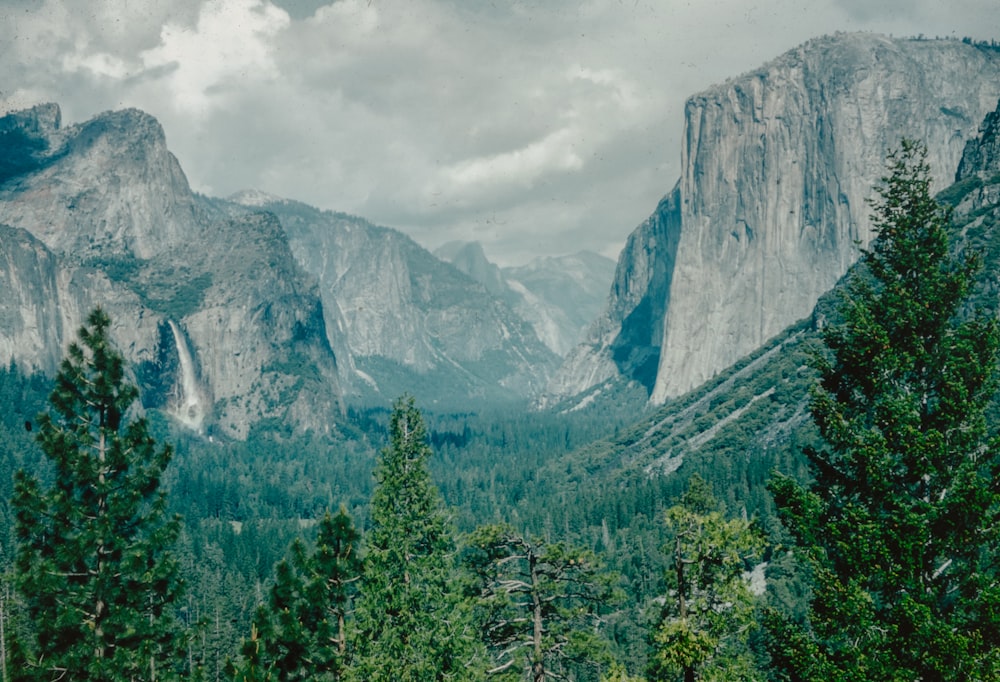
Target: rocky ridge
x,y
559,296
777,167
100,213
403,320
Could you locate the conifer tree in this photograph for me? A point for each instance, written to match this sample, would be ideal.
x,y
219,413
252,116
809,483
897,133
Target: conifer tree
x,y
899,527
541,604
335,569
301,632
412,623
93,560
704,628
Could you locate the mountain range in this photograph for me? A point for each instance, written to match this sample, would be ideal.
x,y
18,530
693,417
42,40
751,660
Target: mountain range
x,y
260,311
558,295
252,310
777,166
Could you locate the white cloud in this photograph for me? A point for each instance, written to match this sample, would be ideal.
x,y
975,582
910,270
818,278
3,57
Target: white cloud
x,y
230,46
522,167
354,19
538,127
98,63
624,90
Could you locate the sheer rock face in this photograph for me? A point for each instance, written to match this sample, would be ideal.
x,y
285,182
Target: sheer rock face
x,y
403,320
559,296
977,204
45,302
108,185
625,340
982,153
777,168
101,214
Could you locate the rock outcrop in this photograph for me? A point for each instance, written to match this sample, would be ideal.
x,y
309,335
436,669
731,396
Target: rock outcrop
x,y
100,213
470,258
402,320
776,170
625,340
559,296
981,157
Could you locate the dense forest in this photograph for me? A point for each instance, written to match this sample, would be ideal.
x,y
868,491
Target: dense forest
x,y
825,510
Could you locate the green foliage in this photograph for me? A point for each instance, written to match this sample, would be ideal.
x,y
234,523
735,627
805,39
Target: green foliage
x,y
618,673
300,633
412,625
20,153
93,560
540,603
175,294
899,525
708,611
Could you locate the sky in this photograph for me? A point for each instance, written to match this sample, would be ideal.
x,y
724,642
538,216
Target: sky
x,y
537,127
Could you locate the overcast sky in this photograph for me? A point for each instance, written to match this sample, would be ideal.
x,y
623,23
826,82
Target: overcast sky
x,y
537,127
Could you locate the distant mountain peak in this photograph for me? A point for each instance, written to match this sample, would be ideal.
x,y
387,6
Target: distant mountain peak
x,y
470,258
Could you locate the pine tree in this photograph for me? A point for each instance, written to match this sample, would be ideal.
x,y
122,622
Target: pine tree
x,y
335,569
93,560
899,527
301,632
412,623
540,603
704,628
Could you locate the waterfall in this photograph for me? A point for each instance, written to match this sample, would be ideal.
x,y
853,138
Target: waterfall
x,y
190,406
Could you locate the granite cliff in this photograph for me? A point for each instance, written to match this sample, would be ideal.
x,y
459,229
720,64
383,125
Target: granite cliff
x,y
221,326
235,313
559,296
776,170
402,320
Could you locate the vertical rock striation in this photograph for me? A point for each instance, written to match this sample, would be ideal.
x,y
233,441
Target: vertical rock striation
x,y
777,167
100,213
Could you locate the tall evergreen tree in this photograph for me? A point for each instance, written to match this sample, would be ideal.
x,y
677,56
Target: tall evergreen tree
x,y
93,560
335,569
900,526
301,632
412,623
541,604
707,614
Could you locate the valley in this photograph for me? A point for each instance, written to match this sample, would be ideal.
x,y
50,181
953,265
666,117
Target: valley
x,y
569,399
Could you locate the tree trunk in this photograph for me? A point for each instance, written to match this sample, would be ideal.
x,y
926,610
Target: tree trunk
x,y
537,666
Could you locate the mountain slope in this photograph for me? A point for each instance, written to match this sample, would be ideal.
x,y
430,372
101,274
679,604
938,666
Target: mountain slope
x,y
753,417
408,321
224,328
777,166
558,296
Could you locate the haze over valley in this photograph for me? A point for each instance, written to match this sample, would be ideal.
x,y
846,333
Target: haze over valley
x,y
564,320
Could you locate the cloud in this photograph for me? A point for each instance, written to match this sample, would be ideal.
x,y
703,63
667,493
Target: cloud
x,y
521,167
536,126
230,46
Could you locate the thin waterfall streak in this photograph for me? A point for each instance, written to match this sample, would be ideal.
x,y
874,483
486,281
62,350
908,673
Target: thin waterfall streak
x,y
190,407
